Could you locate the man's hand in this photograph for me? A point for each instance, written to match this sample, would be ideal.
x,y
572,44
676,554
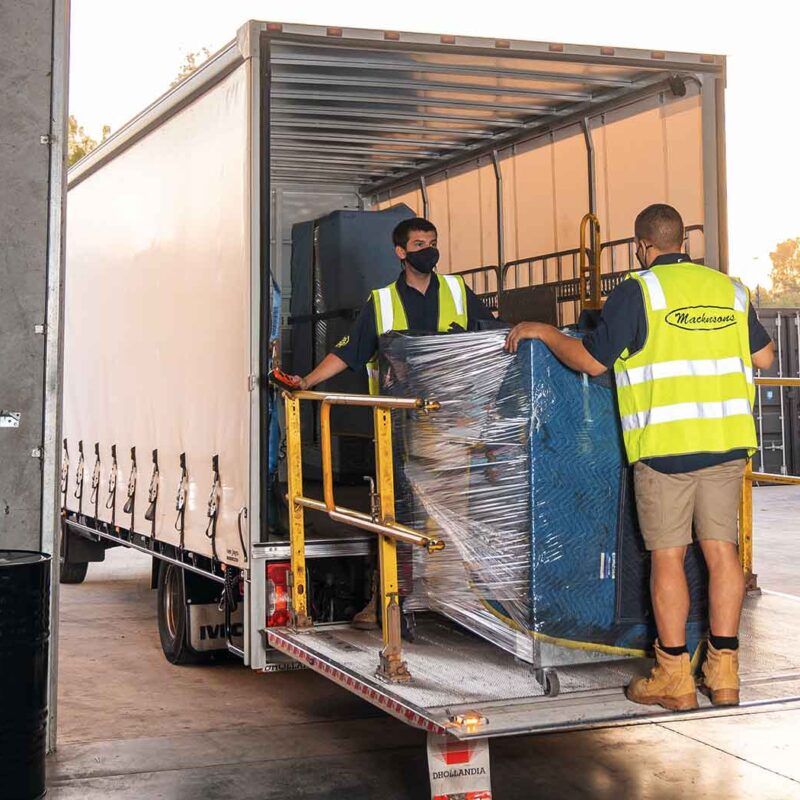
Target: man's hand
x,y
525,330
288,383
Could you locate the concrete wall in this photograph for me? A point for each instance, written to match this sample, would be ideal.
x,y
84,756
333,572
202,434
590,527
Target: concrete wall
x,y
26,57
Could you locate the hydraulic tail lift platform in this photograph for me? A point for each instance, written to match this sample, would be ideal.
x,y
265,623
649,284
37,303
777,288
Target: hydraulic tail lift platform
x,y
458,687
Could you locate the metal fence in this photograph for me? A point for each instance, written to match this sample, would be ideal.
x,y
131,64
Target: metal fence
x,y
561,270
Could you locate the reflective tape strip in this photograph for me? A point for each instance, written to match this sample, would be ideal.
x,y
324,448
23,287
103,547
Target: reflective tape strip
x,y
387,310
658,302
740,297
681,412
698,368
455,289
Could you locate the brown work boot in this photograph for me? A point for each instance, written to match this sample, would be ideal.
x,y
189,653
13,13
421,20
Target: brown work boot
x,y
721,676
671,684
367,618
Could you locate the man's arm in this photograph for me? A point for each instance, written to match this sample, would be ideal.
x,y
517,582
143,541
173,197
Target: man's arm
x,y
764,357
621,327
761,347
353,351
329,367
567,349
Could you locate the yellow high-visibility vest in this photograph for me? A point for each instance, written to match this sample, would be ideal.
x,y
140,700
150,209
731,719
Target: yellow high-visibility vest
x,y
390,315
690,388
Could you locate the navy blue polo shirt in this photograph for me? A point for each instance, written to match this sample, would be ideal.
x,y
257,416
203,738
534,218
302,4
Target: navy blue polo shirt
x,y
623,325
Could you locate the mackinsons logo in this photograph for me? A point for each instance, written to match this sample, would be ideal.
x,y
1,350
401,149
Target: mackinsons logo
x,y
701,318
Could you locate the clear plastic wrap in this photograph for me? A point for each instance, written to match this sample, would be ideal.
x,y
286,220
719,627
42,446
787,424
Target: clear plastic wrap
x,y
522,473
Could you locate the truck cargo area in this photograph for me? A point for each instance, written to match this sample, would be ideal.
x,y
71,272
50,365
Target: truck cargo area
x,y
454,673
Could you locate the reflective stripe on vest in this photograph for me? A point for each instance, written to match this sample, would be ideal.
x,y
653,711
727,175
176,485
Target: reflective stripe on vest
x,y
684,411
390,314
456,287
386,315
679,369
690,388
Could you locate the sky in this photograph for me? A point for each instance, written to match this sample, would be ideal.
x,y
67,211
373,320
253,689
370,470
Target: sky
x,y
123,56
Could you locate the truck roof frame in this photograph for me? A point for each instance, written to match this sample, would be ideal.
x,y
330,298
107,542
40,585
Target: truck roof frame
x,y
408,78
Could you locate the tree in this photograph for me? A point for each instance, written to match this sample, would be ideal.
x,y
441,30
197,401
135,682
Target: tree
x,y
785,275
79,143
191,62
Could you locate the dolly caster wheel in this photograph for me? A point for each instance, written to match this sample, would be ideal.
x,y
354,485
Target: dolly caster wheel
x,y
548,680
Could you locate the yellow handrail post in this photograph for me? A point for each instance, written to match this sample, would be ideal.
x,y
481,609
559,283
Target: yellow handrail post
x,y
392,667
590,293
294,461
746,530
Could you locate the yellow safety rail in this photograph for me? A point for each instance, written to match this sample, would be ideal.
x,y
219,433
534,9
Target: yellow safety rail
x,y
380,522
746,505
591,296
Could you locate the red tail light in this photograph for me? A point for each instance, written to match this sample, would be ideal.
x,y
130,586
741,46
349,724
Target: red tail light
x,y
278,594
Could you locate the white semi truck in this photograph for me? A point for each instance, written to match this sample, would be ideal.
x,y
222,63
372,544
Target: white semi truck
x,y
179,226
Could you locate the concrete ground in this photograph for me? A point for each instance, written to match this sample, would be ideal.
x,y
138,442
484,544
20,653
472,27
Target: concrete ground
x,y
133,726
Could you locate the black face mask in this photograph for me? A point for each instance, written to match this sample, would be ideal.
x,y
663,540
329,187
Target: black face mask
x,y
423,260
642,258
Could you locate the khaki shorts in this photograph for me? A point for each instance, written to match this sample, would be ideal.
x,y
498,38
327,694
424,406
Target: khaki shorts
x,y
669,504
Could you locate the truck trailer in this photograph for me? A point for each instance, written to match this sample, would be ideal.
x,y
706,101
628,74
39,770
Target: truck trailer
x,y
532,159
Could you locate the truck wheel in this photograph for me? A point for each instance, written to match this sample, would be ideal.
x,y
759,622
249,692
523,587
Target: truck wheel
x,y
173,617
73,571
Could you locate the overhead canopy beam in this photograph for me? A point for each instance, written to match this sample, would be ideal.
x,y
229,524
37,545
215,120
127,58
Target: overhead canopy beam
x,y
406,84
376,126
418,102
435,68
399,115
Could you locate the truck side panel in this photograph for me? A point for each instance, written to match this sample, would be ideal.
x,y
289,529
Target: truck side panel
x,y
158,318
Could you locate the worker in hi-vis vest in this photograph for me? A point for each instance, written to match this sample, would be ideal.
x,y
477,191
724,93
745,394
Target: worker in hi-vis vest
x,y
419,300
682,340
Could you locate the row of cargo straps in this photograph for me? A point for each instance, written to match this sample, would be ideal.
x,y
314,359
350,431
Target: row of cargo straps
x,y
212,512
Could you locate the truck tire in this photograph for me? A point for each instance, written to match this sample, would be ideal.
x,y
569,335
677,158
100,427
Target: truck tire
x,y
173,617
73,571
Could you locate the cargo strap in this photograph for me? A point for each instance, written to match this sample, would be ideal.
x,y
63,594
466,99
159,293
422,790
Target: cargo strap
x,y
242,515
79,478
131,501
111,502
64,476
180,501
94,497
213,506
349,314
152,496
227,600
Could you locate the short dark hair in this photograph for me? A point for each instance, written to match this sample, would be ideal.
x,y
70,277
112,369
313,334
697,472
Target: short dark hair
x,y
402,232
661,225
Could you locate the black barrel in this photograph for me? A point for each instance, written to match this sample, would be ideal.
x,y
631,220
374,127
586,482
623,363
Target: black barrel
x,y
24,642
